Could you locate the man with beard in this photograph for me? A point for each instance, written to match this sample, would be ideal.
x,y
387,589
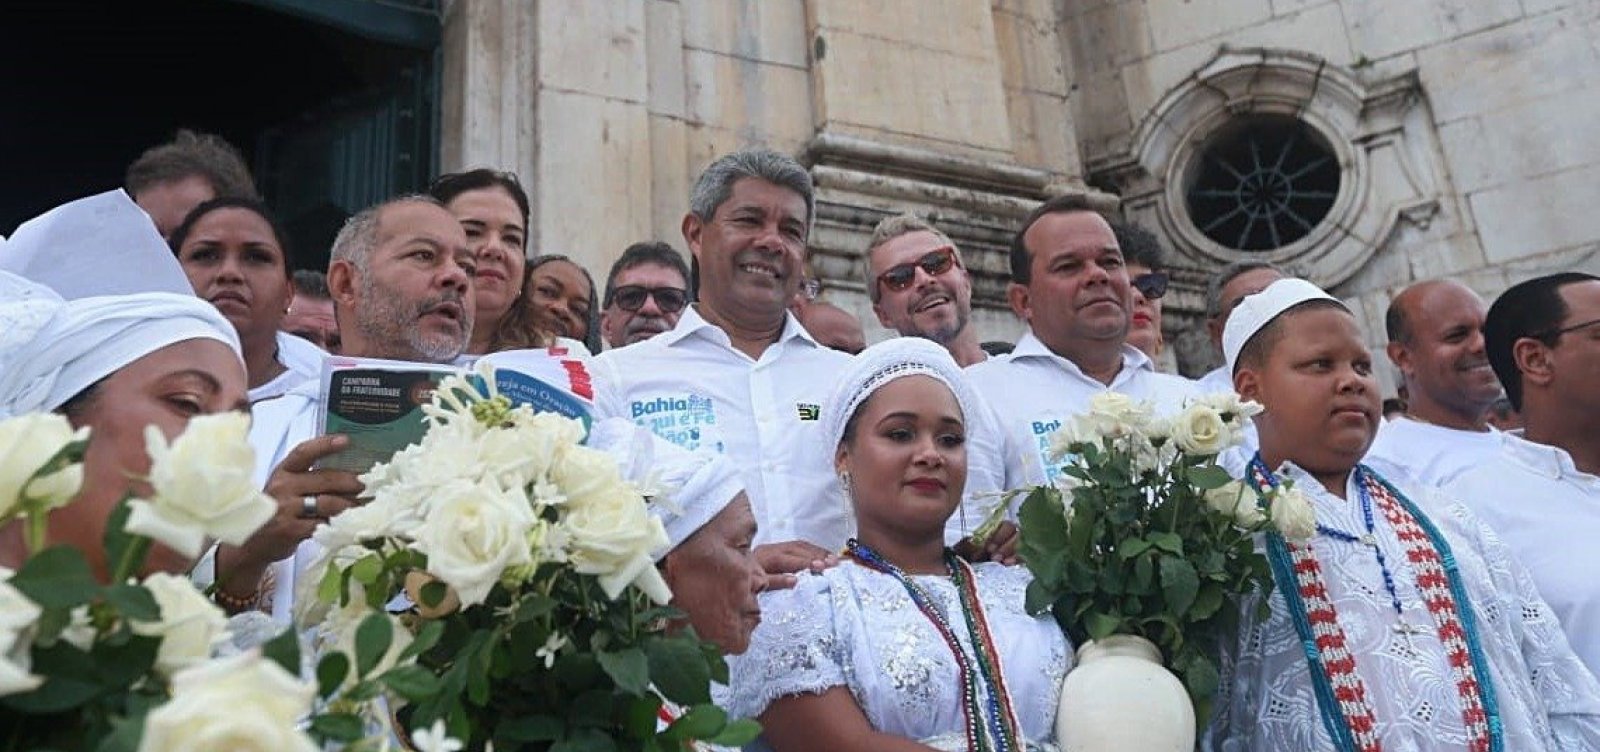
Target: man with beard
x,y
1435,339
1541,490
1070,283
920,287
645,294
401,282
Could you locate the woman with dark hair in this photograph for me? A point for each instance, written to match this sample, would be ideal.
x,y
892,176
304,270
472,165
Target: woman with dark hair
x,y
493,210
234,255
563,293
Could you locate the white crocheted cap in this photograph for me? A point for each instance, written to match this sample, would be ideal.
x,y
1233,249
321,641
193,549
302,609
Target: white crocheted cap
x,y
1256,311
882,363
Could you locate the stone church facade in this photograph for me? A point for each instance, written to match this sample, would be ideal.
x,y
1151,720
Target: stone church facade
x,y
1365,143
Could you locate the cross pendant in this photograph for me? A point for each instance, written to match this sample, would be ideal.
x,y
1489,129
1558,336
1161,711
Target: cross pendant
x,y
1369,540
1406,631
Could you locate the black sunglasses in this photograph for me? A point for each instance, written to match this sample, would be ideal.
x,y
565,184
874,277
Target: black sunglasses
x,y
630,298
1152,285
935,263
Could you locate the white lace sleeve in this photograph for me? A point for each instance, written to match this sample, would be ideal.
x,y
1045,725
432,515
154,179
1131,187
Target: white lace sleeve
x,y
796,650
1569,693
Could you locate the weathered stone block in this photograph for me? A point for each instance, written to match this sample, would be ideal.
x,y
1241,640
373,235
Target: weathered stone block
x,y
1538,215
664,57
1524,140
765,101
773,31
1379,28
1544,56
1030,55
598,48
669,179
1108,37
1179,23
593,187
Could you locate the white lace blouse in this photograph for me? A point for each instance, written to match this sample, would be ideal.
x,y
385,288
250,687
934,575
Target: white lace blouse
x,y
854,627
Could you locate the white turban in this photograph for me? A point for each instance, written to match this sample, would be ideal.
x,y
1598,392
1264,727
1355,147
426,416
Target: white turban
x,y
882,363
50,349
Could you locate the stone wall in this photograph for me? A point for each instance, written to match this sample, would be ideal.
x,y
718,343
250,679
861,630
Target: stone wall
x,y
1485,157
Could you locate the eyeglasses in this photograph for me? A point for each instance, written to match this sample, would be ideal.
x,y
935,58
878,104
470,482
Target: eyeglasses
x,y
1549,336
631,298
935,263
1151,285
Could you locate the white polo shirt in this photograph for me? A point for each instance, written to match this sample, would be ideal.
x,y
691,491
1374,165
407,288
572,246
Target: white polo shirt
x,y
1033,390
1548,512
691,387
1432,454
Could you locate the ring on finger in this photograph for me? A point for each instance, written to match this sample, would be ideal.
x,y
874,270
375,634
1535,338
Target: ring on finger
x,y
308,507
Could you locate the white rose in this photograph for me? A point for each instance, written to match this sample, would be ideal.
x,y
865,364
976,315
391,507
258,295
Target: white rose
x,y
1199,429
27,443
17,617
1237,501
581,471
1237,412
190,625
614,536
473,533
1072,431
1293,514
1115,414
204,486
242,704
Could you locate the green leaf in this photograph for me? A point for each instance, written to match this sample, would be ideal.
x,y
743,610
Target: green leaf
x,y
1207,477
366,569
1131,547
697,723
585,740
57,577
426,638
1207,603
331,673
630,669
123,664
533,606
134,602
1172,543
70,680
679,670
737,734
1144,574
1038,598
338,727
373,636
1101,626
530,728
433,593
125,735
1200,677
412,682
1179,584
116,539
331,587
284,650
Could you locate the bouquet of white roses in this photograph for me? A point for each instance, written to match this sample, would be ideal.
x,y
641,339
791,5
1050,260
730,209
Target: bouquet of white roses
x,y
1144,534
533,616
129,665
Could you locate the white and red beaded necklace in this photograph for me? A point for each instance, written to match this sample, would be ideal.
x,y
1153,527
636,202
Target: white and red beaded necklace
x,y
1341,695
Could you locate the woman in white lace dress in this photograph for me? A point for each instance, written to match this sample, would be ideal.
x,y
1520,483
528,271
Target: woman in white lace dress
x,y
902,646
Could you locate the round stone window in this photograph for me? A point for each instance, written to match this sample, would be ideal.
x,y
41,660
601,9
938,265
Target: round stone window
x,y
1261,183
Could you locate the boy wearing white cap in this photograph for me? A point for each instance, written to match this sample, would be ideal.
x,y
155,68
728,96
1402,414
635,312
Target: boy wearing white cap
x,y
1401,622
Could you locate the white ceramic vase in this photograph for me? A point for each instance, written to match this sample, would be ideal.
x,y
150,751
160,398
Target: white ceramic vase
x,y
1120,697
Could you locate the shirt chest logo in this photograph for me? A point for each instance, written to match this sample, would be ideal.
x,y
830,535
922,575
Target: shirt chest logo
x,y
808,411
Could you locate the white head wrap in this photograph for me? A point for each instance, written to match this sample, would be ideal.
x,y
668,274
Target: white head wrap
x,y
882,363
1256,311
50,349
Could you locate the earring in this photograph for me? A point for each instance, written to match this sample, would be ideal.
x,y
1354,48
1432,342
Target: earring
x,y
844,482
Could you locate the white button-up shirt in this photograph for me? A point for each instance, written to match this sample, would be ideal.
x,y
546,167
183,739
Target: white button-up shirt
x,y
1432,454
1548,512
692,387
1034,390
1218,379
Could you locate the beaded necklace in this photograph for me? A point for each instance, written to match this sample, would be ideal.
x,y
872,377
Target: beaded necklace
x,y
1347,713
991,723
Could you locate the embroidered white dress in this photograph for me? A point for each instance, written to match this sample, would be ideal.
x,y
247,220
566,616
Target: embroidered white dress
x,y
1545,697
855,627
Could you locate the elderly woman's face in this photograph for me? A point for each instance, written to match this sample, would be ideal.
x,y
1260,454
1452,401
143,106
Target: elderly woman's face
x,y
907,457
163,389
714,578
234,260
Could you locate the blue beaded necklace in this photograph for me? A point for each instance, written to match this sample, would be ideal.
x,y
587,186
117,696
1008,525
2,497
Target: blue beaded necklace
x,y
991,724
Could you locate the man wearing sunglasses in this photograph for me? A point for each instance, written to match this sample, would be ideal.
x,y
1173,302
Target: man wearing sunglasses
x,y
738,375
1070,283
920,287
645,294
1541,492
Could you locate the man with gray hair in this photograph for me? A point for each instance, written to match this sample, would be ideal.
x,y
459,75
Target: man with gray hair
x,y
401,282
1233,283
919,286
738,375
